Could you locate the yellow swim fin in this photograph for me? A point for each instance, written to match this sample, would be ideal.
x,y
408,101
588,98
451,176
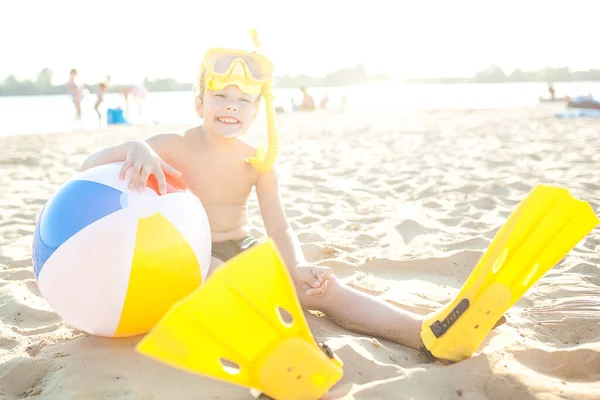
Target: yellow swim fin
x,y
245,326
545,226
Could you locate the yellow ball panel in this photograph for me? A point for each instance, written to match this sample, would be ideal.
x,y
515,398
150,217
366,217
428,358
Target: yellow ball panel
x,y
164,269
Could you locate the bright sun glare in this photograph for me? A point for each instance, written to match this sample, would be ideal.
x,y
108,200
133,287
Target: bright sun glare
x,y
132,40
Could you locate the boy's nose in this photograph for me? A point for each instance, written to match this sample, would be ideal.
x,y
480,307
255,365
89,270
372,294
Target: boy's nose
x,y
232,108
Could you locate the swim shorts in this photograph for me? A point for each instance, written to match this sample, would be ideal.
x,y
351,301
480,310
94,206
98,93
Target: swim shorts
x,y
230,248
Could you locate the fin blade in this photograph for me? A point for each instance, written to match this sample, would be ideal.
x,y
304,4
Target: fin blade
x,y
235,317
543,228
180,342
564,225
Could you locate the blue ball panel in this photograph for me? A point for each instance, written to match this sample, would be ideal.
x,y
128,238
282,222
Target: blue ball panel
x,y
78,204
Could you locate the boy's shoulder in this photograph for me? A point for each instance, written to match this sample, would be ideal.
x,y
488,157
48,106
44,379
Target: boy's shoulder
x,y
246,148
170,143
173,138
165,139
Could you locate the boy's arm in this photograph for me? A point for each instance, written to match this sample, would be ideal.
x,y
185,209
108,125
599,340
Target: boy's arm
x,y
276,223
107,156
142,159
160,144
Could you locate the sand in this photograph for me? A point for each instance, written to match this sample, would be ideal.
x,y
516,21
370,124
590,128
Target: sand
x,y
399,205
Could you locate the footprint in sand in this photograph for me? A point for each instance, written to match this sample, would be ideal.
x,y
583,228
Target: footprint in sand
x,y
33,287
26,319
334,223
484,203
368,361
323,208
469,244
432,204
310,237
291,213
36,331
450,221
353,203
8,343
409,229
571,365
584,268
590,242
21,377
17,274
308,219
318,252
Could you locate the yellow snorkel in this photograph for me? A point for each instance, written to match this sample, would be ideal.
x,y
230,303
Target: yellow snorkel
x,y
263,162
253,74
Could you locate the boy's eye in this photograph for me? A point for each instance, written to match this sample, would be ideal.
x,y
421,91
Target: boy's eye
x,y
219,95
245,100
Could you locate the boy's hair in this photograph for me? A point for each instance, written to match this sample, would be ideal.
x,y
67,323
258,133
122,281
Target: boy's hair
x,y
200,86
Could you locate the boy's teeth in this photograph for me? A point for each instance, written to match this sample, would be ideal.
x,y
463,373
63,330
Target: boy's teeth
x,y
228,120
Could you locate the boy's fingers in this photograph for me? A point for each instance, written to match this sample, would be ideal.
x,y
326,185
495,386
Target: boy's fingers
x,y
162,181
143,178
315,292
322,274
126,165
170,170
134,175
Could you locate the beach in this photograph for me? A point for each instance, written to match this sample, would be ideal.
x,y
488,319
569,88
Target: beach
x,y
400,205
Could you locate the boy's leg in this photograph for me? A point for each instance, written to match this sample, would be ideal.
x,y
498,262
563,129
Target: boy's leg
x,y
366,314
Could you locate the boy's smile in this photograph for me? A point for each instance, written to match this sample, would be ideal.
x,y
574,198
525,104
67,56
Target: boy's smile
x,y
228,120
228,112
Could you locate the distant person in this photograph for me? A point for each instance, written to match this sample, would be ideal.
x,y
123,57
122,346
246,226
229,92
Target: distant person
x,y
324,101
76,91
102,89
138,92
308,103
551,90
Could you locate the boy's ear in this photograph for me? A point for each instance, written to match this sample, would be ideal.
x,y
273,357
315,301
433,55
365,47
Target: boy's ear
x,y
199,106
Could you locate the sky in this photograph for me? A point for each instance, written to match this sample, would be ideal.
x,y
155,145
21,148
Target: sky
x,y
131,39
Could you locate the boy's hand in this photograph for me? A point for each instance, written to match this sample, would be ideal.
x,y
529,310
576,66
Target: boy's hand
x,y
143,161
313,279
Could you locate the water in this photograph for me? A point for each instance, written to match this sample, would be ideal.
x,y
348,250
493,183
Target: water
x,y
37,114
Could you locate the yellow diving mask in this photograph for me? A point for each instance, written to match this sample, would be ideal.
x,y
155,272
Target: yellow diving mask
x,y
252,72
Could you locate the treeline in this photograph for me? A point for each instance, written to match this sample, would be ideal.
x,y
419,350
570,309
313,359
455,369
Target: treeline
x,y
340,77
495,74
11,86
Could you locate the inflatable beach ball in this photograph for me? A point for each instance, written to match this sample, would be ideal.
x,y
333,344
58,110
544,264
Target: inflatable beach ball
x,y
111,261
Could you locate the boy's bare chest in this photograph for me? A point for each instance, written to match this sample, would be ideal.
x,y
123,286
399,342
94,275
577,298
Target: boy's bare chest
x,y
220,180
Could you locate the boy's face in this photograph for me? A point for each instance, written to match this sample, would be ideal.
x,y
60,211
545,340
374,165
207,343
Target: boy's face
x,y
228,112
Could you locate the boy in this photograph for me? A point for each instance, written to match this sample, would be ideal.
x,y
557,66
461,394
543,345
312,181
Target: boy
x,y
221,169
212,161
